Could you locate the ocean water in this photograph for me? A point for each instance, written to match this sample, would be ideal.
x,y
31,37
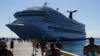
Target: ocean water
x,y
76,47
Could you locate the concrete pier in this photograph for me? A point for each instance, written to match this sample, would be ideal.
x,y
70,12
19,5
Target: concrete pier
x,y
26,49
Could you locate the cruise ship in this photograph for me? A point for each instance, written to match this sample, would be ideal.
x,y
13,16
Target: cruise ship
x,y
37,22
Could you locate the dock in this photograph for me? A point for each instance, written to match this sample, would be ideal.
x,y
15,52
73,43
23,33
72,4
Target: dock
x,y
26,49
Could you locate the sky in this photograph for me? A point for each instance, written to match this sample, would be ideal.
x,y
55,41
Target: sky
x,y
88,13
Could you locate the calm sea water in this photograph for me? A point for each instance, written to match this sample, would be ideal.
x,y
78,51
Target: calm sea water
x,y
77,46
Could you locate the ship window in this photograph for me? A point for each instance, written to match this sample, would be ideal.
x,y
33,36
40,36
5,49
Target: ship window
x,y
58,29
31,15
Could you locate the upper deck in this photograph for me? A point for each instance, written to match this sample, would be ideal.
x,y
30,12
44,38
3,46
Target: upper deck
x,y
49,14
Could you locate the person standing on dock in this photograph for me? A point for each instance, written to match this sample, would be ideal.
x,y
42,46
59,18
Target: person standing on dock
x,y
12,44
34,44
53,51
58,43
43,45
3,50
91,49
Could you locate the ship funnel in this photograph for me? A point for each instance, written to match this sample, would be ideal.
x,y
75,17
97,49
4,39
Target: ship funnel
x,y
71,13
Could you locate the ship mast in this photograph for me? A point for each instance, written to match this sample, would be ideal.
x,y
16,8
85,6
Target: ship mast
x,y
57,9
45,3
71,13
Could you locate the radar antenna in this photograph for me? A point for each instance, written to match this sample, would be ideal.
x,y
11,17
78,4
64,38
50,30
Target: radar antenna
x,y
45,3
57,9
71,13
